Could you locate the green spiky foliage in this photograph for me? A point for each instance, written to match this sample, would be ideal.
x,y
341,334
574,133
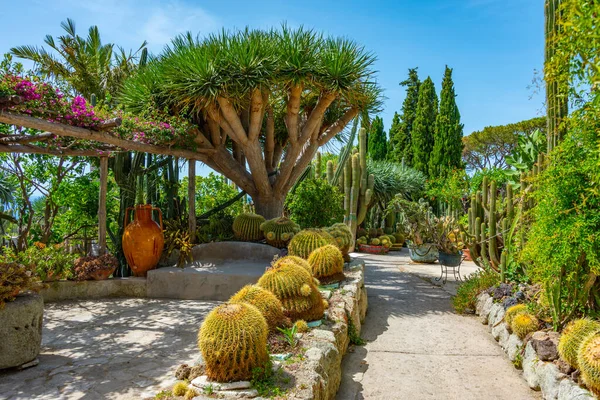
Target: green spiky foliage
x,y
266,302
588,360
295,259
279,231
327,264
304,242
233,342
524,324
343,237
301,326
513,311
296,289
246,227
573,336
179,388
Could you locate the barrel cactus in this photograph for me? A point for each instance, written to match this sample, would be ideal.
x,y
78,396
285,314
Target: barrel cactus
x,y
327,264
233,342
343,237
246,227
572,336
513,311
279,231
266,302
295,287
588,359
294,259
304,242
524,324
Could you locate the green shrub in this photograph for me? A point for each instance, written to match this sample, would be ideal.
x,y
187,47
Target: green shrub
x,y
315,204
466,295
50,262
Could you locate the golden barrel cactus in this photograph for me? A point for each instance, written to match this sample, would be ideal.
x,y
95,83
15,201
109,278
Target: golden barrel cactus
x,y
233,342
295,260
266,302
308,240
588,359
572,336
295,287
246,227
524,324
513,311
327,264
343,237
279,231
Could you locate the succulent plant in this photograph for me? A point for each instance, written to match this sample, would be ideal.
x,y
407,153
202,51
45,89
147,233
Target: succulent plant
x,y
524,324
301,326
380,232
327,263
190,394
384,240
588,359
279,231
392,238
179,388
294,259
513,311
295,287
361,232
233,342
375,242
266,302
343,237
400,238
373,233
246,227
573,336
304,242
14,278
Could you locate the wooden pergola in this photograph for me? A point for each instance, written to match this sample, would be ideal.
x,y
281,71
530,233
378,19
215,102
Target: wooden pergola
x,y
108,143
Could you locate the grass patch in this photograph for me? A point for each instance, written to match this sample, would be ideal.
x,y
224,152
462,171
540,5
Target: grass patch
x,y
466,294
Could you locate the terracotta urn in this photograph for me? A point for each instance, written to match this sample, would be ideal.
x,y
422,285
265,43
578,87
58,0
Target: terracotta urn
x,y
143,239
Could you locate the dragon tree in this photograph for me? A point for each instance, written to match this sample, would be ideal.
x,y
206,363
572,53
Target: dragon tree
x,y
261,103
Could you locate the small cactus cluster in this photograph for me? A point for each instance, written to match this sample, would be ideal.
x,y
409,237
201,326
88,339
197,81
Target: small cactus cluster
x,y
308,240
246,227
573,336
523,324
512,312
343,237
266,302
327,264
279,231
295,287
233,342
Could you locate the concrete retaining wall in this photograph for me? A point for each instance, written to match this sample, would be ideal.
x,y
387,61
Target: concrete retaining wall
x,y
540,375
114,287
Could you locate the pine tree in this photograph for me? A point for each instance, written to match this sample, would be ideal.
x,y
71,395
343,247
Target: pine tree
x,y
448,145
400,133
423,129
377,140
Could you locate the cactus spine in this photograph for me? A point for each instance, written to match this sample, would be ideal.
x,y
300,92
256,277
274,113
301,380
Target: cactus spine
x,y
524,324
279,231
233,342
327,264
308,240
588,359
266,302
246,227
573,336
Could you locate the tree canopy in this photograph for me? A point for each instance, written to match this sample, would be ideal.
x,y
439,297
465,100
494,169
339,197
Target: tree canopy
x,y
423,130
378,144
402,125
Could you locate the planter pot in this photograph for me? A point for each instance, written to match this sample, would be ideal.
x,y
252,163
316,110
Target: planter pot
x,y
426,253
21,330
450,260
366,248
102,274
143,240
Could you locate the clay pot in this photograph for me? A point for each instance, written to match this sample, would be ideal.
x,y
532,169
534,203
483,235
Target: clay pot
x,y
102,274
143,240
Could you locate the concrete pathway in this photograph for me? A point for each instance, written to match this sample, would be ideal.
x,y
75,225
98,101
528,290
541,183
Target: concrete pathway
x,y
109,349
418,348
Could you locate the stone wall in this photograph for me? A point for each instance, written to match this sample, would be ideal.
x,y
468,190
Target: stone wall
x,y
537,354
114,287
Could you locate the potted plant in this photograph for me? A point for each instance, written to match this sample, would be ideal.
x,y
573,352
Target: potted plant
x,y
417,220
21,314
96,268
448,241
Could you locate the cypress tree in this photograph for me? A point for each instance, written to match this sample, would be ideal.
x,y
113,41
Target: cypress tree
x,y
377,140
448,145
423,129
402,125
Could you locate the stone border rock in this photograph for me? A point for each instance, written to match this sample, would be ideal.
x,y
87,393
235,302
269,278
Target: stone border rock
x,y
114,287
539,373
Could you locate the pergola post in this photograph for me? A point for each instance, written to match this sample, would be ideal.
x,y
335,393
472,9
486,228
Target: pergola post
x,y
192,200
102,205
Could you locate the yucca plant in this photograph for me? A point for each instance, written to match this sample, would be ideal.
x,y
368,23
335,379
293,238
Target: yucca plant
x,y
265,99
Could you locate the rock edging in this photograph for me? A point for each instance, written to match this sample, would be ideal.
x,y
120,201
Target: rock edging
x,y
535,355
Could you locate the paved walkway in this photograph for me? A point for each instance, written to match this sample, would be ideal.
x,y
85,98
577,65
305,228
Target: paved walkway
x,y
418,348
109,349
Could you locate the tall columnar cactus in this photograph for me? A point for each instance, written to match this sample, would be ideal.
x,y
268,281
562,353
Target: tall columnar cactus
x,y
318,166
573,336
266,302
330,172
233,342
246,227
327,264
279,231
304,242
295,287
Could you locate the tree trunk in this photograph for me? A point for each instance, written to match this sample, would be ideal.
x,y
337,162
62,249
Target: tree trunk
x,y
269,207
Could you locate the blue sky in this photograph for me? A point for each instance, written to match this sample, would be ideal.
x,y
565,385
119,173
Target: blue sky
x,y
494,46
